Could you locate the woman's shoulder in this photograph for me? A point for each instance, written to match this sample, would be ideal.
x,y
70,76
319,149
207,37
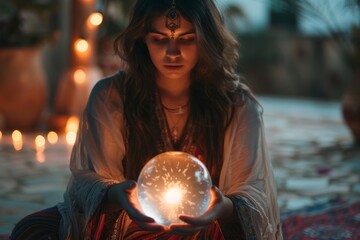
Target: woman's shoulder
x,y
247,106
108,83
106,90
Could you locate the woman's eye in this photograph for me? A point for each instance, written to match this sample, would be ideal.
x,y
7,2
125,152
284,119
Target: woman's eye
x,y
160,40
165,40
187,40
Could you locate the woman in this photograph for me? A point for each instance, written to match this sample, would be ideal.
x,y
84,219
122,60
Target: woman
x,y
178,91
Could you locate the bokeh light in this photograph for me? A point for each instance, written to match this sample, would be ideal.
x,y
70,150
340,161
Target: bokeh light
x,y
40,143
81,45
52,137
70,137
17,140
16,135
96,18
79,76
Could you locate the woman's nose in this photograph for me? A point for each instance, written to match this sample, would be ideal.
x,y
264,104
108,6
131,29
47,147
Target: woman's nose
x,y
172,49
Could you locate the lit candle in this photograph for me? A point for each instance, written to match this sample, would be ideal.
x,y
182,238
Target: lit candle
x,y
79,76
52,137
72,126
40,143
40,147
17,140
16,136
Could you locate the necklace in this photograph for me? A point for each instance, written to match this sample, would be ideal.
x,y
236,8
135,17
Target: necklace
x,y
176,111
175,129
176,115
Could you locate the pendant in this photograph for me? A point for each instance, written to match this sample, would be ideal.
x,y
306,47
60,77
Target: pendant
x,y
174,134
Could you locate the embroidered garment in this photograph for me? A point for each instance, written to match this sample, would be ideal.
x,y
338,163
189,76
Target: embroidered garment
x,y
123,228
96,163
39,225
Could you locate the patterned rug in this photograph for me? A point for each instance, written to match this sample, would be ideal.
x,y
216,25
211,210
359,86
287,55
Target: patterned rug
x,y
334,221
331,221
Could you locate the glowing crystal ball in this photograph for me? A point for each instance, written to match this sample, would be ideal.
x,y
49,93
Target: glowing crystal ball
x,y
173,184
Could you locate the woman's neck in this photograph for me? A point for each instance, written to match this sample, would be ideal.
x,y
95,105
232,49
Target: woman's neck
x,y
174,92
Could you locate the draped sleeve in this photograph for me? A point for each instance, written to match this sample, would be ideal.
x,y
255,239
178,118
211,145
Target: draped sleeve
x,y
96,159
246,176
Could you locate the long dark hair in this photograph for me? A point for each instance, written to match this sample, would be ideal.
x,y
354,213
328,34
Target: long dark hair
x,y
214,89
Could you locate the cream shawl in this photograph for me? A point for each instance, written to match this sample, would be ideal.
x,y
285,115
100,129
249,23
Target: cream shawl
x,y
96,162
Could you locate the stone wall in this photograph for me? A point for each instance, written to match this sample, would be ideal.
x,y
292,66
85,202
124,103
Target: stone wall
x,y
289,64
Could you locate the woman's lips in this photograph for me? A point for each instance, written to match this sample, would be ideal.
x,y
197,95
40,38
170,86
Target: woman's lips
x,y
173,66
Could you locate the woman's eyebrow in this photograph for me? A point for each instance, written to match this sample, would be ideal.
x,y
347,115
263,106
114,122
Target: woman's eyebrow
x,y
191,31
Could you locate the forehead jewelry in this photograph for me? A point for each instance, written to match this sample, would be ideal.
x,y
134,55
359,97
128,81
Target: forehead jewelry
x,y
172,19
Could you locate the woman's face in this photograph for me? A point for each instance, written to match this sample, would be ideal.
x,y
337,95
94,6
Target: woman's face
x,y
174,58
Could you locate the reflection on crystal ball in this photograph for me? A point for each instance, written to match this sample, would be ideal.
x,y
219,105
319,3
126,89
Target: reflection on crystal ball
x,y
173,184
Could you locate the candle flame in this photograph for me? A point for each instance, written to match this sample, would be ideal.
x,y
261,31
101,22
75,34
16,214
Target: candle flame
x,y
40,142
79,76
173,196
17,140
0,135
40,147
72,126
52,137
16,136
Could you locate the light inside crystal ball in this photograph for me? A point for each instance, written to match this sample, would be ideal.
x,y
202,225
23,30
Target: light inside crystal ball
x,y
173,184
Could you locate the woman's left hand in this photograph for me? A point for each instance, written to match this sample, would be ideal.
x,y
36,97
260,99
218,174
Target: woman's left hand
x,y
220,207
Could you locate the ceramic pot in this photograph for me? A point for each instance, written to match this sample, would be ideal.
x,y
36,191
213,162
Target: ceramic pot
x,y
23,88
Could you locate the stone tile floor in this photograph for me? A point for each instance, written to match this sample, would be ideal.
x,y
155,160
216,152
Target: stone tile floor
x,y
311,150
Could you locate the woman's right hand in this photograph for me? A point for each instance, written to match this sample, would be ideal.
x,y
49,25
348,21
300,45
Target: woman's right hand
x,y
124,195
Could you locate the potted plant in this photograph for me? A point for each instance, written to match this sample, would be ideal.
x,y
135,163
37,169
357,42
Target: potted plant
x,y
24,26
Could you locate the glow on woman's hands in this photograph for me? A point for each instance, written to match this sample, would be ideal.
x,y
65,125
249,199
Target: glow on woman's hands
x,y
127,198
194,224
